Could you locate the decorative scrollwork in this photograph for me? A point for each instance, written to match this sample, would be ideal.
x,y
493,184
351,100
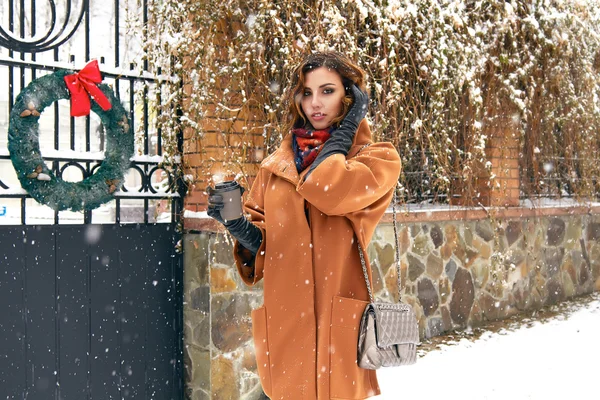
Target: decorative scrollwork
x,y
53,37
77,165
142,176
151,187
145,170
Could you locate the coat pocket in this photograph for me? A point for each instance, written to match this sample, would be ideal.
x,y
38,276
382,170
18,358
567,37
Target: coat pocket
x,y
347,380
261,348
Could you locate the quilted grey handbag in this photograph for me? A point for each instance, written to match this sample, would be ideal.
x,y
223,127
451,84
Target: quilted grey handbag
x,y
388,334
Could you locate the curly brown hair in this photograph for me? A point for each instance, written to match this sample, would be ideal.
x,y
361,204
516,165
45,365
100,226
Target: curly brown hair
x,y
346,68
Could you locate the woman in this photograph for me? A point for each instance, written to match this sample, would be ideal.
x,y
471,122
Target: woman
x,y
314,201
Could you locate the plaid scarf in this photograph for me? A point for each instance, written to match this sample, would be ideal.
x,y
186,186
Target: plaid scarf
x,y
307,144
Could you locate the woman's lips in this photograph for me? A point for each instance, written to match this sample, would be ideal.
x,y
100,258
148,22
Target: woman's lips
x,y
318,117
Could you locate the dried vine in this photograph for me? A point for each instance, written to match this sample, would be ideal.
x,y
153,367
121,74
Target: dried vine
x,y
438,70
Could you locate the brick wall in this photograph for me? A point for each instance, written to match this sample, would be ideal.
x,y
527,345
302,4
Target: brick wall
x,y
502,151
497,180
231,145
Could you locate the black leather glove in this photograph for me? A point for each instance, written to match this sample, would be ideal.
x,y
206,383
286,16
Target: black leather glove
x,y
243,230
342,137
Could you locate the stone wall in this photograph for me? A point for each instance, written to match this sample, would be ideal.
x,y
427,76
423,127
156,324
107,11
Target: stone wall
x,y
218,353
456,273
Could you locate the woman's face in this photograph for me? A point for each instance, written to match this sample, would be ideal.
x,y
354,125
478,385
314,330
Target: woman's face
x,y
322,97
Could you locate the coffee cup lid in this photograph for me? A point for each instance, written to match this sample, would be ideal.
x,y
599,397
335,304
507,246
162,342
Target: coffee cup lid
x,y
228,185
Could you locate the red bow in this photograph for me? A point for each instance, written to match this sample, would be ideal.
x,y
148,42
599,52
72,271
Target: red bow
x,y
82,86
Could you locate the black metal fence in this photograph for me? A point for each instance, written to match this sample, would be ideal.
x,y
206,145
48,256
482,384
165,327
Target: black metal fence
x,y
73,148
92,301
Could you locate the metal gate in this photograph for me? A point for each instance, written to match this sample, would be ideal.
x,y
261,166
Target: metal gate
x,y
90,302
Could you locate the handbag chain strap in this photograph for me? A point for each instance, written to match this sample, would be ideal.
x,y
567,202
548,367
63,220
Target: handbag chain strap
x,y
397,255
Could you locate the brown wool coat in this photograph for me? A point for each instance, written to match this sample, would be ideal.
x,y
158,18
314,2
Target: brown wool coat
x,y
306,332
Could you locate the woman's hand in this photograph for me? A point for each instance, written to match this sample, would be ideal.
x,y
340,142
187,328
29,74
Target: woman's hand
x,y
243,230
215,205
358,110
344,134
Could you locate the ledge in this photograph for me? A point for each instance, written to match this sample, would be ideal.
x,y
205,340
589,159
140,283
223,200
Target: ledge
x,y
454,213
201,222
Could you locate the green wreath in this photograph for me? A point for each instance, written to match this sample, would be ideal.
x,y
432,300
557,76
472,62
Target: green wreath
x,y
33,173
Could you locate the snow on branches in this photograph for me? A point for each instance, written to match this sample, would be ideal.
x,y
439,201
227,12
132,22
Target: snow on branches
x,y
438,70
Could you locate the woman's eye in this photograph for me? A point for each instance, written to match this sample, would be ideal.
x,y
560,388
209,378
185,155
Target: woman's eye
x,y
306,93
328,91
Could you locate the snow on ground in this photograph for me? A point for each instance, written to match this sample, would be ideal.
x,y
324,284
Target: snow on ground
x,y
556,357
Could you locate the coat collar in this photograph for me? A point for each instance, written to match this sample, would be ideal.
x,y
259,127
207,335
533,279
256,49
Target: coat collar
x,y
281,162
